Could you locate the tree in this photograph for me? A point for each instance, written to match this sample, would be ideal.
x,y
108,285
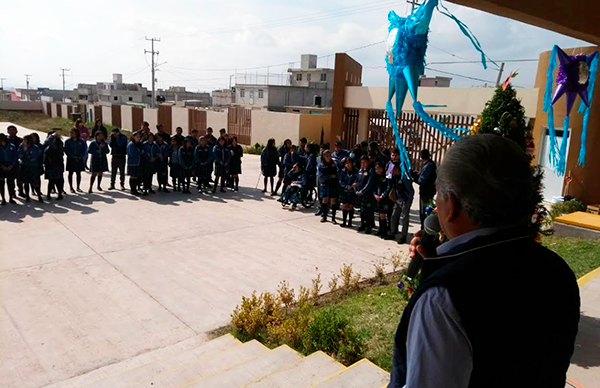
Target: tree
x,y
504,115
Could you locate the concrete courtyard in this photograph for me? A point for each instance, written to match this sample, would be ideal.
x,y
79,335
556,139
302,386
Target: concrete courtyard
x,y
100,278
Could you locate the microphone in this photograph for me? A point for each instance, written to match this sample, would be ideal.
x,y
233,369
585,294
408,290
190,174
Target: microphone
x,y
429,240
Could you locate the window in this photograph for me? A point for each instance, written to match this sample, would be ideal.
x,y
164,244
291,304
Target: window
x,y
261,93
308,77
242,93
116,98
130,98
299,77
324,77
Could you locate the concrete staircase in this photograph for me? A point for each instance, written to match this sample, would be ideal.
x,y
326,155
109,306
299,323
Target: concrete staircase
x,y
225,362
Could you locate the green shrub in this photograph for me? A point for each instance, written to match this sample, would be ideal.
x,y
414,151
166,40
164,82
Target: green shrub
x,y
256,149
559,209
332,333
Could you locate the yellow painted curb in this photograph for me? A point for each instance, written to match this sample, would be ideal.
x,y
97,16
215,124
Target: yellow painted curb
x,y
588,277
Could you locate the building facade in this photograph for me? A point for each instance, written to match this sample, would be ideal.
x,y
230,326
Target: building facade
x,y
223,97
115,92
180,96
434,82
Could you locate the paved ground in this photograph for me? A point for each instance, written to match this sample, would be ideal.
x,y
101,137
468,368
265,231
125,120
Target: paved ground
x,y
99,278
585,363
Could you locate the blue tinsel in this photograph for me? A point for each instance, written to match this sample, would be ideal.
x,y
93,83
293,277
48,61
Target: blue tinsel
x,y
553,151
586,110
562,153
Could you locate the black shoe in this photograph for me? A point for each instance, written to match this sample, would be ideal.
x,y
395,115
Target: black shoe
x,y
144,194
165,190
343,225
402,240
79,190
99,188
111,187
223,190
361,228
368,230
59,197
27,199
152,191
319,213
3,202
333,221
123,187
40,199
264,191
48,197
12,201
324,218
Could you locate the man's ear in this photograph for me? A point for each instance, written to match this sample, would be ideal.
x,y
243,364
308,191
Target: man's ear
x,y
454,207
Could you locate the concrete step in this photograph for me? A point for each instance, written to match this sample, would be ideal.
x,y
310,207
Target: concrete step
x,y
168,362
140,360
302,374
202,368
363,374
256,369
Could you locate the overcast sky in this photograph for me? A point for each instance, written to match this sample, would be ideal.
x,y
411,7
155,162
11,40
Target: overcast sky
x,y
202,42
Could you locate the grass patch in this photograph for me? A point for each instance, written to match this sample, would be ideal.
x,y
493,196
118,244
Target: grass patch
x,y
38,121
374,312
582,255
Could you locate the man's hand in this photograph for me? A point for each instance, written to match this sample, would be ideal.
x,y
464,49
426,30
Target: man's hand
x,y
416,247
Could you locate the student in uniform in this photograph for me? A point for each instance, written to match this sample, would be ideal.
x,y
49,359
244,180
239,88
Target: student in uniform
x,y
292,192
8,168
36,143
309,179
203,160
289,160
144,131
329,186
75,149
195,138
149,157
98,150
29,160
282,151
174,165
211,140
178,136
162,162
348,183
324,147
134,162
186,160
302,147
16,141
160,128
269,159
339,154
235,165
55,166
364,192
99,127
84,133
381,191
118,147
222,157
404,194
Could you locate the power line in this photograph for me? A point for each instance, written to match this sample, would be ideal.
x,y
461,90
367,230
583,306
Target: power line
x,y
317,16
460,75
274,65
499,60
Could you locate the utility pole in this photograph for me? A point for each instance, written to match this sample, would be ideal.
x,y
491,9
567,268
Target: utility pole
x,y
152,40
413,4
63,77
27,76
500,74
2,89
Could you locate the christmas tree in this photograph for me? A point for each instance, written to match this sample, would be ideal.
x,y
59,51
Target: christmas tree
x,y
504,115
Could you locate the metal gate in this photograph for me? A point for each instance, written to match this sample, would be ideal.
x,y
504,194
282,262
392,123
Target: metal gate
x,y
415,134
137,118
165,117
116,115
239,123
197,120
98,113
350,130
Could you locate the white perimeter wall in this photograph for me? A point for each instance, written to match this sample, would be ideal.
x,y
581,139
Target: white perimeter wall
x,y
127,118
216,120
53,112
179,118
151,116
458,100
107,115
280,126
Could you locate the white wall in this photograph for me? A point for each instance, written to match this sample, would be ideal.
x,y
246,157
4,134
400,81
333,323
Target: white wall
x,y
107,115
180,118
458,100
54,110
151,116
280,126
127,118
216,120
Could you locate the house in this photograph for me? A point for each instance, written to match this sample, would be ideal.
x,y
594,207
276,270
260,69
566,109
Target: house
x,y
435,82
115,92
179,95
